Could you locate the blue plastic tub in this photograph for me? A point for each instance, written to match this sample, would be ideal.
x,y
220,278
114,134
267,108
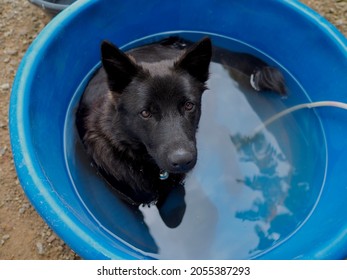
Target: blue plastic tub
x,y
285,32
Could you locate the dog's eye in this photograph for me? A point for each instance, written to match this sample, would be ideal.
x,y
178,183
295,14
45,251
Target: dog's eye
x,y
189,106
145,114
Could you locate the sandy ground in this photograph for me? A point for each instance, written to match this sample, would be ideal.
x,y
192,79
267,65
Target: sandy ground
x,y
23,234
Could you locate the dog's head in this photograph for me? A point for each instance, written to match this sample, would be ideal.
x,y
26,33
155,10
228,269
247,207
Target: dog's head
x,y
159,103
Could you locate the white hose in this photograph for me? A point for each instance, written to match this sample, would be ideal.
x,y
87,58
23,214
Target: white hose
x,y
298,107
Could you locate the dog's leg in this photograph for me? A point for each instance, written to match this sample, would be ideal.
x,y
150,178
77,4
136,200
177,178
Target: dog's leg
x,y
171,206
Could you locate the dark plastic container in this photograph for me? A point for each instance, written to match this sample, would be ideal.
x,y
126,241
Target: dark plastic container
x,y
52,7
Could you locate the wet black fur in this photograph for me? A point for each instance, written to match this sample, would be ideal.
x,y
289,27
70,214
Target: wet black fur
x,y
140,112
128,147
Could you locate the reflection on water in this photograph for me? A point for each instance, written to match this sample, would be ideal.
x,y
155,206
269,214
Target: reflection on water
x,y
247,192
271,178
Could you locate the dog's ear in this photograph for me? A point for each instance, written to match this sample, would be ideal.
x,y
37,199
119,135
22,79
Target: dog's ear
x,y
120,69
196,60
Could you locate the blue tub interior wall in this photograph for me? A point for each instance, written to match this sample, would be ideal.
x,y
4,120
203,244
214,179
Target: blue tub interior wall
x,y
77,51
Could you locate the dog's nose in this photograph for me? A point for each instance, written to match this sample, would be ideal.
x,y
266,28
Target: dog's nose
x,y
182,160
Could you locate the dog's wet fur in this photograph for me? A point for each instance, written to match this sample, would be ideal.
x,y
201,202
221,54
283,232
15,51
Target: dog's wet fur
x,y
140,112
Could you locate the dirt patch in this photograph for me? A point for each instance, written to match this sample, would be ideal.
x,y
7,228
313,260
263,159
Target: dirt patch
x,y
23,234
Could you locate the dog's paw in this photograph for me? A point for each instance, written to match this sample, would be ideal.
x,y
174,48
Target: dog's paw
x,y
173,208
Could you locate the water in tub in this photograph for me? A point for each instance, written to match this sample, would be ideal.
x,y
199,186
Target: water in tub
x,y
248,192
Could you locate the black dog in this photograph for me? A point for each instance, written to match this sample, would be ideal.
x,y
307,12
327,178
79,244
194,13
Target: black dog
x,y
139,113
143,120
